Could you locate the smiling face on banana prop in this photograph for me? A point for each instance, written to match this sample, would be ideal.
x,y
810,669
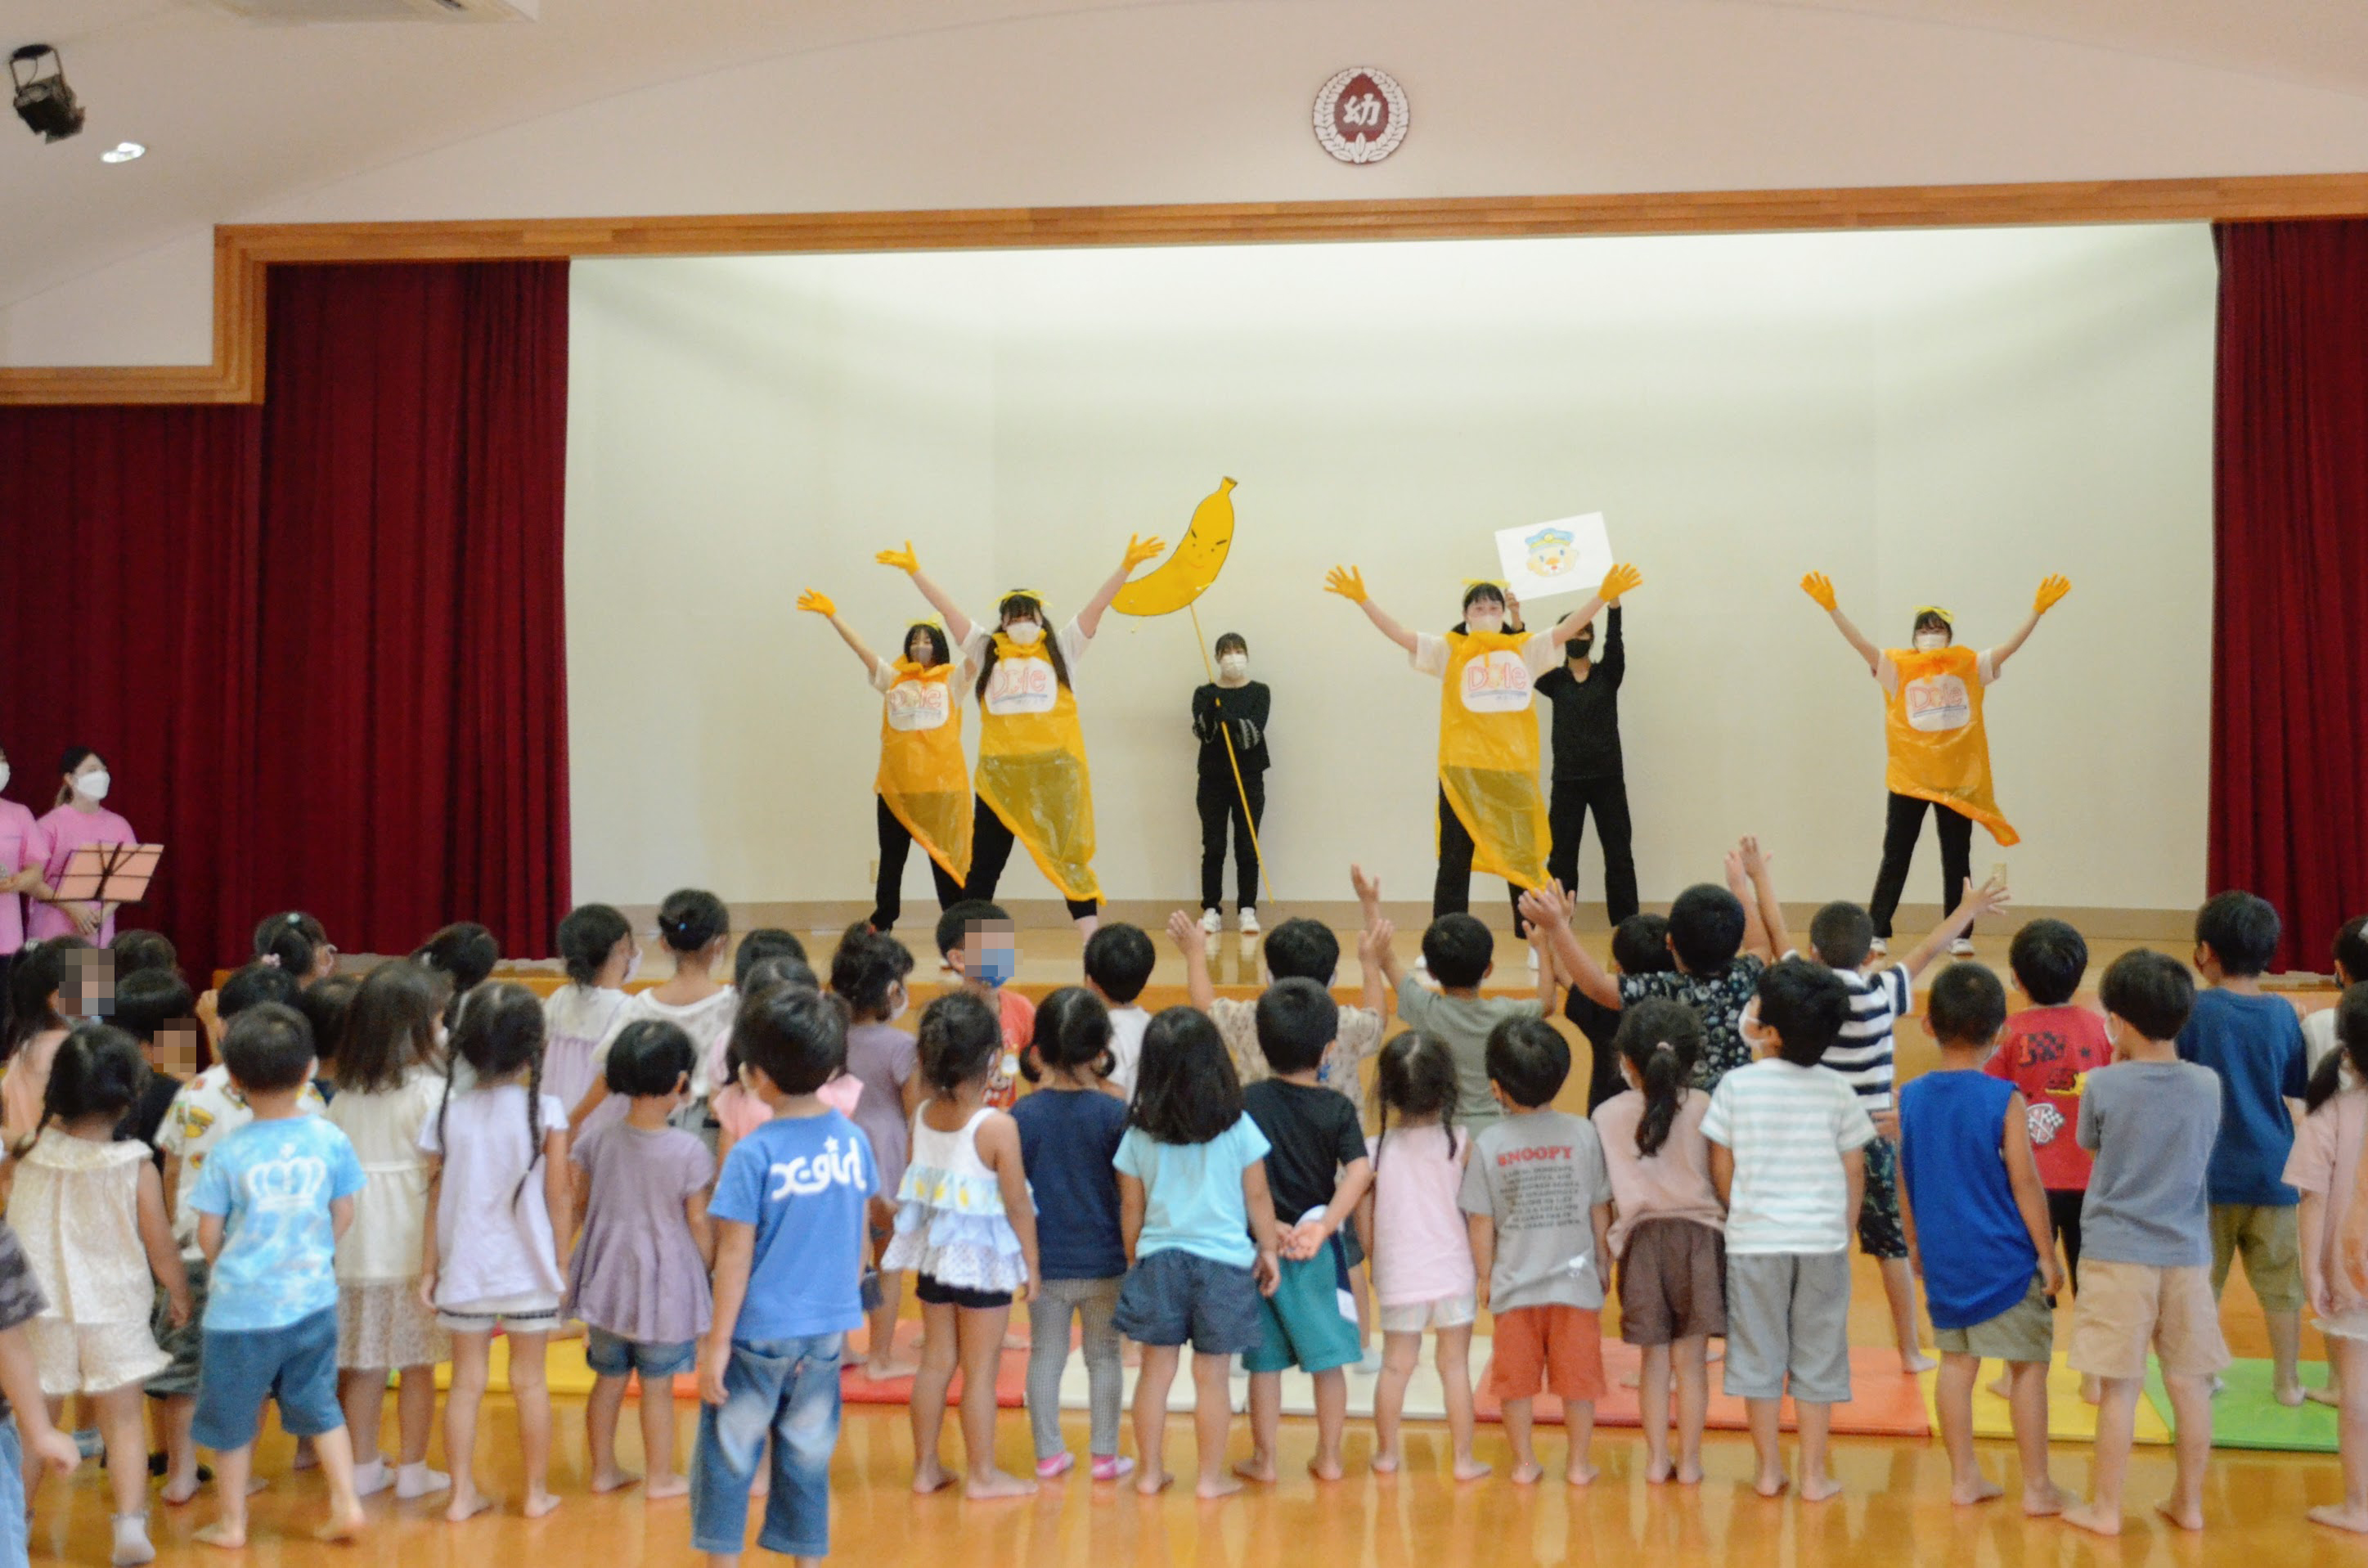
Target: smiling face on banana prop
x,y
1187,575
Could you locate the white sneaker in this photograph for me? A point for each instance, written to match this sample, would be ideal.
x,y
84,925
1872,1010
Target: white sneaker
x,y
1211,922
1247,920
1963,948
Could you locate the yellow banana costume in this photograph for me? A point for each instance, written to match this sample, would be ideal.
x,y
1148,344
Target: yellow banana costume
x,y
1488,756
924,778
1032,766
1932,727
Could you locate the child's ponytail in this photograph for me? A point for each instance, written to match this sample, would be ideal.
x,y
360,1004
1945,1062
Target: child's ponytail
x,y
1661,1040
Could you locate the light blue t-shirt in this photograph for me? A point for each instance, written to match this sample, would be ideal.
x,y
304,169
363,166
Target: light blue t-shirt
x,y
273,1182
1192,1192
803,1182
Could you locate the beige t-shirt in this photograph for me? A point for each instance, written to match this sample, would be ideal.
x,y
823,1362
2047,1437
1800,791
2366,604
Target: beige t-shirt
x,y
1360,1037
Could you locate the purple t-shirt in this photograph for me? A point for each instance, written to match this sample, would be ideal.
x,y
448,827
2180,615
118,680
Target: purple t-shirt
x,y
637,1273
882,1059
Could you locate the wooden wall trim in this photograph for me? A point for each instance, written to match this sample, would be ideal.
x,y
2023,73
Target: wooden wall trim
x,y
242,252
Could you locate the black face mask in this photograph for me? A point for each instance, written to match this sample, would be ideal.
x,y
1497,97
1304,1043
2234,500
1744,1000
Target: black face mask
x,y
1582,648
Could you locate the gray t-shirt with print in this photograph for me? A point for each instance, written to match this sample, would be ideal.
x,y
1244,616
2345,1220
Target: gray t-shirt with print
x,y
1538,1176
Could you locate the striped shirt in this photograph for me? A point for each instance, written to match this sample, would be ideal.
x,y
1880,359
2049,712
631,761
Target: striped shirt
x,y
1788,1127
1863,1053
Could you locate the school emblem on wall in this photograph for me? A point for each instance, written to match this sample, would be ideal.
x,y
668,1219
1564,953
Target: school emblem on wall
x,y
1360,115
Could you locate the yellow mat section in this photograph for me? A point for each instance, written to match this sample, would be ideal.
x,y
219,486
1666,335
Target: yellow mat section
x,y
2070,1419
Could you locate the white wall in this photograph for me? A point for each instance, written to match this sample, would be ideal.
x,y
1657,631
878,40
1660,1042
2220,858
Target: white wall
x,y
1926,417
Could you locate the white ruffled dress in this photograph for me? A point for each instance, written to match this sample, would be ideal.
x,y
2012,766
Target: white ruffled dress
x,y
951,1224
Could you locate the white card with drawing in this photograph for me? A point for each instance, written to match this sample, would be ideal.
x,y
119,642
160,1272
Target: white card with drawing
x,y
1566,556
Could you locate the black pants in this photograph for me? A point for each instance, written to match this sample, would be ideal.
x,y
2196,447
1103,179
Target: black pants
x,y
990,851
1451,893
1567,811
1221,804
1902,826
888,899
2064,1223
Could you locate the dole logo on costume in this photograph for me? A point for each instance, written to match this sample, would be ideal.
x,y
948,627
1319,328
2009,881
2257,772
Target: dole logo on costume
x,y
1023,686
1938,702
804,1177
920,704
1496,682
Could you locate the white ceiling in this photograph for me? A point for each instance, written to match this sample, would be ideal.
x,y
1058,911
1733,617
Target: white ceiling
x,y
240,116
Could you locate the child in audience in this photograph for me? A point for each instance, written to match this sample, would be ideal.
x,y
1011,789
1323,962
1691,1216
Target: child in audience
x,y
135,951
695,927
2254,1043
1119,961
966,1229
2146,1236
639,1283
2318,1042
1201,1238
1841,938
493,1259
1423,1277
596,945
1069,1133
732,1111
298,943
464,953
2324,1168
45,987
1976,1223
26,1438
1458,953
389,1087
91,1210
1668,1226
324,1004
156,1007
1788,1142
1640,945
1318,1173
273,1199
978,942
1540,1205
871,973
788,1263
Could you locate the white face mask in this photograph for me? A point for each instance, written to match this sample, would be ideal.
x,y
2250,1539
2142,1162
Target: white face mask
x,y
4,776
1483,622
1026,633
93,787
1234,666
1931,642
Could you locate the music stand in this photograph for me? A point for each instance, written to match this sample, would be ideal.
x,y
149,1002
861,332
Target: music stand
x,y
108,873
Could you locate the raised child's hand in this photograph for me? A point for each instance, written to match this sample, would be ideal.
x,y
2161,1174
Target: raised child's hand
x,y
1375,939
1186,933
1820,588
1367,889
1347,582
1755,859
1988,899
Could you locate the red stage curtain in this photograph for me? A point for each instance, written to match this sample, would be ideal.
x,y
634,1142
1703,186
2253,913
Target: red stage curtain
x,y
2290,643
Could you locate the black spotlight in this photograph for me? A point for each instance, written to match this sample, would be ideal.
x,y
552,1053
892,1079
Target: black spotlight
x,y
44,102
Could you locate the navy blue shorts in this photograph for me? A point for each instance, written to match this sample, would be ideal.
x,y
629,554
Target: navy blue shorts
x,y
1173,1297
296,1365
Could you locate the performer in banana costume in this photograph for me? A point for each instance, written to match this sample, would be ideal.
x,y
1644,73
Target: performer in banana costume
x,y
1492,816
924,783
1033,786
1939,752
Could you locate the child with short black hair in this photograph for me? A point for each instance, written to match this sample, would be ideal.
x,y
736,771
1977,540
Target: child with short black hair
x,y
1460,953
324,1004
1299,948
978,942
157,1008
788,1266
1788,1139
1977,1225
1318,1173
464,953
272,1199
1538,1202
2045,1051
1119,961
138,952
2151,1120
1640,945
2254,1042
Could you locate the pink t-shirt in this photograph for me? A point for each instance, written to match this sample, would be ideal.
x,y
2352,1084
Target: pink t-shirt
x,y
23,842
1422,1245
67,831
2326,1162
1673,1182
739,1113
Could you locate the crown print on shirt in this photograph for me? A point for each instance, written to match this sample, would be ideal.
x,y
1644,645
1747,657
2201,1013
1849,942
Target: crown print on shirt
x,y
290,1184
804,1177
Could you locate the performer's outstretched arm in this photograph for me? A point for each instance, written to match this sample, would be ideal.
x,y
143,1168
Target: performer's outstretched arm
x,y
1138,550
820,604
1349,584
957,626
2050,590
1820,588
1616,582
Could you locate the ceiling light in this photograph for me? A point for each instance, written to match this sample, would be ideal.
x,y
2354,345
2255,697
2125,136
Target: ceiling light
x,y
122,153
44,102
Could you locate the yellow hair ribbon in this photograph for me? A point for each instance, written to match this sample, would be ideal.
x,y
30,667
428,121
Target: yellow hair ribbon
x,y
1923,610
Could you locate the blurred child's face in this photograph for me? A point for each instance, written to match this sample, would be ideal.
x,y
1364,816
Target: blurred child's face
x,y
990,953
175,1049
89,990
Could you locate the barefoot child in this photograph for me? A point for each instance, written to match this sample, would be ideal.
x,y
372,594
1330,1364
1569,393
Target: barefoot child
x,y
1316,1175
639,1278
1200,1231
2145,1237
1540,1205
271,1202
1788,1157
979,946
2325,1169
1423,1277
966,1229
1668,1226
26,1438
871,973
1976,1218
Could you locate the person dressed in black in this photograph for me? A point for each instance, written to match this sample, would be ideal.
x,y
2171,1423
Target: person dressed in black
x,y
1588,774
1236,705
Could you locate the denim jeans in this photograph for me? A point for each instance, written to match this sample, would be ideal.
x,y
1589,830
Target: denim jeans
x,y
15,1534
789,1389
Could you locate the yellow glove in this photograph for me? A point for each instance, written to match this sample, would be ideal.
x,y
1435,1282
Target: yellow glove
x,y
819,603
1348,581
1820,588
903,560
1618,581
2051,590
1138,550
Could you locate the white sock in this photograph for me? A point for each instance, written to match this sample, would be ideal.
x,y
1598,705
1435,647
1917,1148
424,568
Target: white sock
x,y
370,1477
418,1481
131,1543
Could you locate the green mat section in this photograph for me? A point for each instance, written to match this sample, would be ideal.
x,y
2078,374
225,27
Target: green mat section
x,y
2245,1416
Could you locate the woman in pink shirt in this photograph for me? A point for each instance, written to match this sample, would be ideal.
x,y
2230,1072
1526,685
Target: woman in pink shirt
x,y
24,855
79,819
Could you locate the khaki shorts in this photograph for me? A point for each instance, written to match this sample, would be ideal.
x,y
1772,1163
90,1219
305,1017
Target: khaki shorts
x,y
2271,1242
2024,1332
2124,1307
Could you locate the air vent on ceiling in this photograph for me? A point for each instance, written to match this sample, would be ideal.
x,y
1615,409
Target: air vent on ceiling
x,y
307,13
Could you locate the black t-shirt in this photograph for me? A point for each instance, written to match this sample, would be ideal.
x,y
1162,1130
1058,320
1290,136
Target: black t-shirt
x,y
1314,1133
1243,710
1587,713
1599,1024
145,1119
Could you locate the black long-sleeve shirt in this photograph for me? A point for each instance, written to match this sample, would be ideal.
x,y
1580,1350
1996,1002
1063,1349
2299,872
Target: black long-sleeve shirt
x,y
1587,713
1245,711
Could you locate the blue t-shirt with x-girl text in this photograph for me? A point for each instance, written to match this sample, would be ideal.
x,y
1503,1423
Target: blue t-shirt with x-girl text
x,y
803,1182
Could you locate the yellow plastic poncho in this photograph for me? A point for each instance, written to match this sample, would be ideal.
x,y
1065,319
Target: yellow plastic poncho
x,y
923,779
1032,766
1488,755
1939,752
